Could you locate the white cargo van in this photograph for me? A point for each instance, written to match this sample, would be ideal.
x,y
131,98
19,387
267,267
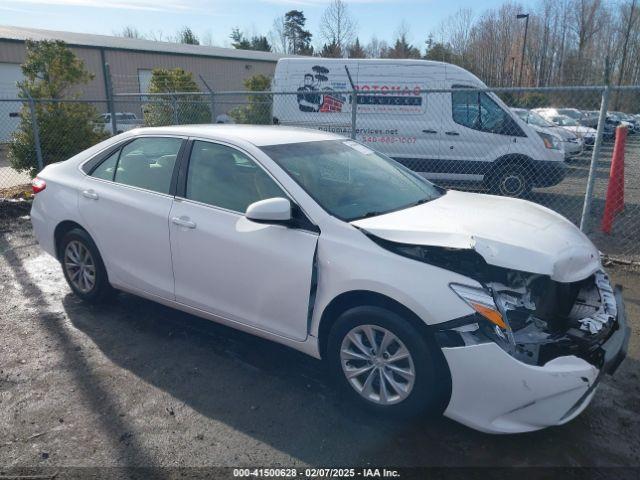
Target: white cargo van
x,y
457,135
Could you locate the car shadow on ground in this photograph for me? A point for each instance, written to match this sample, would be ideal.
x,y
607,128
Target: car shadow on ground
x,y
285,399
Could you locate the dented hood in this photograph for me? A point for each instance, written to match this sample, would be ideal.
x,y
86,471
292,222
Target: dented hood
x,y
506,232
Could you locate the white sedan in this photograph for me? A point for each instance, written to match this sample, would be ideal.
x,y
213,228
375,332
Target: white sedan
x,y
494,311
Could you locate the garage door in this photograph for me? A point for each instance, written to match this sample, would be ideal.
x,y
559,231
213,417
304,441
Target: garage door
x,y
10,74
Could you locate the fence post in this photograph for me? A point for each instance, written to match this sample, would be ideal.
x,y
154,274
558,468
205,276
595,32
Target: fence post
x,y
174,104
110,104
354,104
212,98
595,155
36,131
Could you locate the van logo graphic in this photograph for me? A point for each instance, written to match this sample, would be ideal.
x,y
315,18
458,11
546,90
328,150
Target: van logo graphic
x,y
316,93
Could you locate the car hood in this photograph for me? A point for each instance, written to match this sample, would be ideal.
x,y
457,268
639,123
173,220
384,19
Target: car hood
x,y
581,131
563,133
506,232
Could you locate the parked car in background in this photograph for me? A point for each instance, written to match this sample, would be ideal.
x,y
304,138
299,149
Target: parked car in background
x,y
590,118
570,142
493,310
572,113
587,134
628,120
125,121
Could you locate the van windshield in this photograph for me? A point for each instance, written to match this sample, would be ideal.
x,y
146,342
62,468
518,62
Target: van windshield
x,y
349,180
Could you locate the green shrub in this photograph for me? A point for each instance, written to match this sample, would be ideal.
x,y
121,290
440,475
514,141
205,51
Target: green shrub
x,y
52,71
171,109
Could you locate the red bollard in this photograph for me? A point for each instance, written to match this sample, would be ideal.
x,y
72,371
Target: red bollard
x,y
614,202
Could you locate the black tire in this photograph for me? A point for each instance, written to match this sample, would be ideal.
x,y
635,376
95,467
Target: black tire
x,y
101,289
512,180
431,388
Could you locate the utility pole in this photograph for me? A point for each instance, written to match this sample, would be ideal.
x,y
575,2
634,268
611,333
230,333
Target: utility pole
x,y
524,43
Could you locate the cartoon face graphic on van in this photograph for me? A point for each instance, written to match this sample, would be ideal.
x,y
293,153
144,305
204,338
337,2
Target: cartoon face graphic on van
x,y
315,93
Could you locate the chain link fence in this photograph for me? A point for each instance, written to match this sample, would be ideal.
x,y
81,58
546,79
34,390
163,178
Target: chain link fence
x,y
552,146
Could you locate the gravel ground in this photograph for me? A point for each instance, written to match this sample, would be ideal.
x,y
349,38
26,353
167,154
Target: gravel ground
x,y
134,383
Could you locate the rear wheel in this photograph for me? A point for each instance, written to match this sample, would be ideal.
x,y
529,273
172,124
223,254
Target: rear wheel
x,y
383,363
83,267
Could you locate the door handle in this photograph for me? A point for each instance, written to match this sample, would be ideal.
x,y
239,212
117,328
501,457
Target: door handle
x,y
90,194
452,133
429,131
183,222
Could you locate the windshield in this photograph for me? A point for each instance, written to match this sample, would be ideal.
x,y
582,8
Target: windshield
x,y
534,119
570,113
349,180
565,122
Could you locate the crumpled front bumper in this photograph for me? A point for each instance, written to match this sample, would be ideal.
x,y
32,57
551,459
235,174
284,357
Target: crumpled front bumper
x,y
495,393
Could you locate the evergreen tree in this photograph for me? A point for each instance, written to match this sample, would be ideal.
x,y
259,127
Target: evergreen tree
x,y
52,71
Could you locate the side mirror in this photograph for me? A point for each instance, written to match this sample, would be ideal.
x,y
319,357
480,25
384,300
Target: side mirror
x,y
271,210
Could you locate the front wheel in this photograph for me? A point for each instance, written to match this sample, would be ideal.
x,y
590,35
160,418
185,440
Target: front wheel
x,y
512,180
385,364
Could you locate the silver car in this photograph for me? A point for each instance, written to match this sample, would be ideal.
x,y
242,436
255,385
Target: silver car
x,y
570,142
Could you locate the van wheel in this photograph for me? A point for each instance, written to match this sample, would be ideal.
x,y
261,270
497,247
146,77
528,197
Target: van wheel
x,y
83,267
512,180
383,363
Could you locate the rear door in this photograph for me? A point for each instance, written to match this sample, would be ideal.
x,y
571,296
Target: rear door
x,y
252,273
125,204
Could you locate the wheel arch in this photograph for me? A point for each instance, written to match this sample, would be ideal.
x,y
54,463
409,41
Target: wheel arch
x,y
358,298
519,159
61,229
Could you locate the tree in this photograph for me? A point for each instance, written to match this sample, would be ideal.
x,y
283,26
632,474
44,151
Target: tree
x,y
172,109
402,48
257,111
130,32
187,36
298,39
337,27
355,50
52,71
439,51
239,40
331,50
256,43
376,48
260,43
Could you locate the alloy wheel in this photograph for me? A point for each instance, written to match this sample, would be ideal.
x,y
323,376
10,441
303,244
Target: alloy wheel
x,y
377,364
80,266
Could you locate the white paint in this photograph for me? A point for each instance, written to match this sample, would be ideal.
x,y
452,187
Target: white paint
x,y
507,232
257,277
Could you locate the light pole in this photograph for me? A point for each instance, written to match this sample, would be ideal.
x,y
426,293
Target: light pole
x,y
524,43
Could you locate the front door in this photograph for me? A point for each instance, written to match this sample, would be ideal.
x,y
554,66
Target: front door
x,y
251,273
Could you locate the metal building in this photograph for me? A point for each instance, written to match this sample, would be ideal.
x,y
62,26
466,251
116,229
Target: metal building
x,y
130,63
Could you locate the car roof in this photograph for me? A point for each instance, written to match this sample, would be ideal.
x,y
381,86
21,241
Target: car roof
x,y
257,135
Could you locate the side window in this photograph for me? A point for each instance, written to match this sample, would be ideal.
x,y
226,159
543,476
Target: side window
x,y
148,163
465,108
224,177
107,168
479,111
492,117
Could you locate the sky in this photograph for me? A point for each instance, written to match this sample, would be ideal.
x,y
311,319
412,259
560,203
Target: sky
x,y
216,18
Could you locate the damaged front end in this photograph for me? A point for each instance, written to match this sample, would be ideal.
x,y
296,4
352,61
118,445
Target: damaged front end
x,y
540,319
532,317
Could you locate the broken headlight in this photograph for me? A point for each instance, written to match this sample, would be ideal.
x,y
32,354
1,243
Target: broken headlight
x,y
493,323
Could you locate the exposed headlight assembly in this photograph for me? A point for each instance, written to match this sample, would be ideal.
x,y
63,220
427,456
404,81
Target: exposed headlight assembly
x,y
496,326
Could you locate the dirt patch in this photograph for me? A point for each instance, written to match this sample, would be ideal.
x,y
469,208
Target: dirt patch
x,y
133,383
